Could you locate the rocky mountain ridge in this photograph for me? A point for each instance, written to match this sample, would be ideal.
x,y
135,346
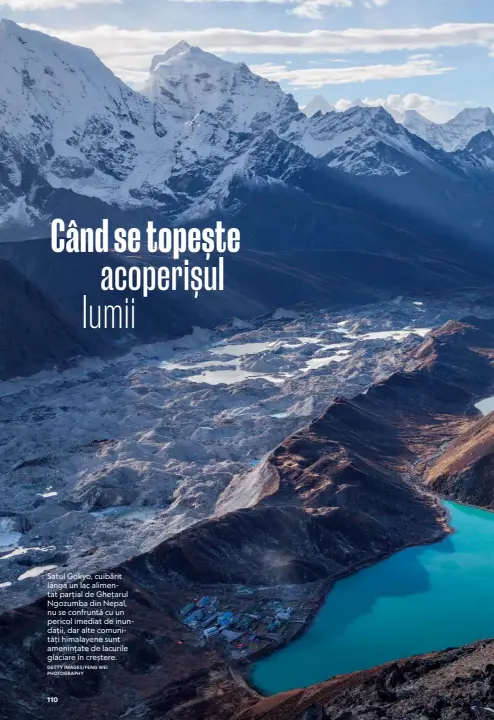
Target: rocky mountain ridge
x,y
466,472
451,136
35,333
456,684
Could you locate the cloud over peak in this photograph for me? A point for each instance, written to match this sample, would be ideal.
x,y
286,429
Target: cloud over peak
x,y
109,41
37,5
439,111
320,76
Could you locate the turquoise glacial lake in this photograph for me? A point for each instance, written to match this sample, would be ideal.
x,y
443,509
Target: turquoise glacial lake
x,y
419,600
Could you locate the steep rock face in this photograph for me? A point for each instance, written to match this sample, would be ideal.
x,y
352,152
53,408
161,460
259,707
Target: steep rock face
x,y
455,684
465,471
481,147
477,159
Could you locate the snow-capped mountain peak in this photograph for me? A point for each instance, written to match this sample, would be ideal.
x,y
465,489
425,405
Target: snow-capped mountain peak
x,y
364,140
411,116
357,103
179,49
454,134
482,115
188,58
8,27
481,141
186,80
318,104
67,123
469,123
418,124
479,154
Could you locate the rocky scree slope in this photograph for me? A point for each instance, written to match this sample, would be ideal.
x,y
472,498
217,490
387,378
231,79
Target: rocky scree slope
x,y
446,685
466,470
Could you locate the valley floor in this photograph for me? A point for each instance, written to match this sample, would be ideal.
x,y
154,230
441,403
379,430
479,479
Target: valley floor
x,y
147,442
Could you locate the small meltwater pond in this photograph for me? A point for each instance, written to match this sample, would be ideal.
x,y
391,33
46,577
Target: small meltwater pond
x,y
232,371
486,406
36,571
419,600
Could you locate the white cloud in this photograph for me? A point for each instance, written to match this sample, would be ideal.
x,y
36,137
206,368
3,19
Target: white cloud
x,y
115,44
314,9
53,4
437,110
318,77
327,60
329,3
128,52
305,8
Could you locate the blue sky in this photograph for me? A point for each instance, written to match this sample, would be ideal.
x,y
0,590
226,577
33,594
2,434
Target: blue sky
x,y
436,56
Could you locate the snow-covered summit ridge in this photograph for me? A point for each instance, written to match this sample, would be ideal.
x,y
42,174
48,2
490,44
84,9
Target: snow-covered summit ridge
x,y
179,49
68,123
185,58
187,80
364,140
454,134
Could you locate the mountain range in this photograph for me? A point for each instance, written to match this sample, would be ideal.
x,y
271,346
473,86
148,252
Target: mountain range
x,y
337,208
179,148
334,209
453,135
